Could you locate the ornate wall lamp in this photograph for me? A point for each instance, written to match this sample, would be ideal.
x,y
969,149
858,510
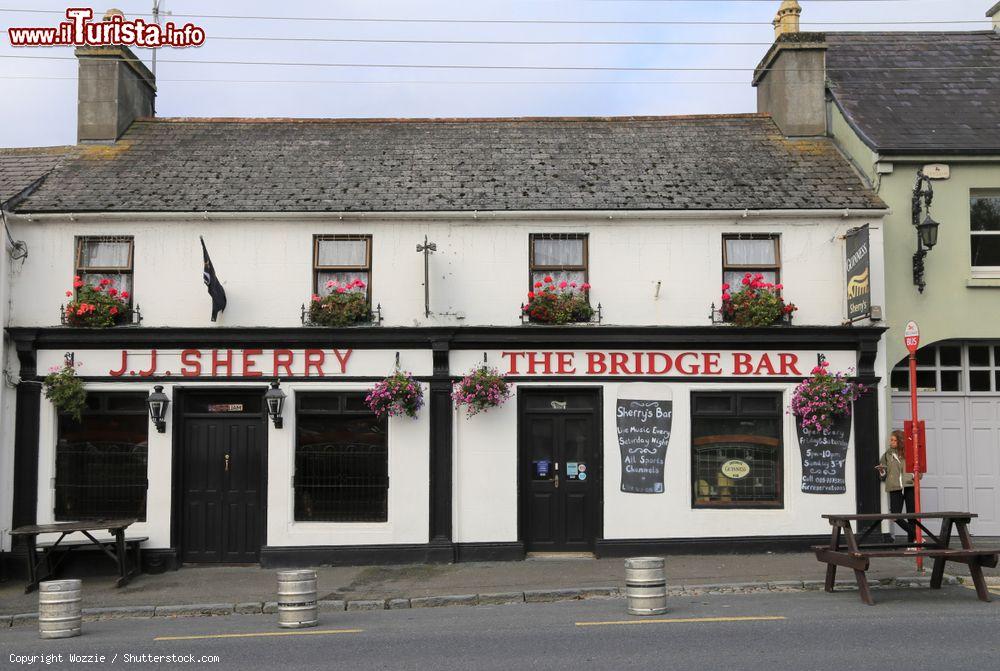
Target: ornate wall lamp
x,y
157,403
275,399
927,230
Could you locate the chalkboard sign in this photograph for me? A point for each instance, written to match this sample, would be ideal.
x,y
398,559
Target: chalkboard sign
x,y
643,434
824,457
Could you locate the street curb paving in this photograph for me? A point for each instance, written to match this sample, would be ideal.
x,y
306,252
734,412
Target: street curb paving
x,y
485,599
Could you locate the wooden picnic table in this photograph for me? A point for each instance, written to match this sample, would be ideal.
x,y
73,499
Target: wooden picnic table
x,y
115,527
855,554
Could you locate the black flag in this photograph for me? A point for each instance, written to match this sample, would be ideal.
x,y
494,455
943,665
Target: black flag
x,y
215,289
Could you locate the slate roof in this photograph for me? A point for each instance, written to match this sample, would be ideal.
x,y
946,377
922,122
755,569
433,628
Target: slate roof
x,y
651,163
947,101
20,168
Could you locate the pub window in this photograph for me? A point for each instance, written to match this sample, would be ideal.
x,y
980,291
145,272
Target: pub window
x,y
341,259
101,459
985,230
750,253
106,257
341,459
736,450
561,256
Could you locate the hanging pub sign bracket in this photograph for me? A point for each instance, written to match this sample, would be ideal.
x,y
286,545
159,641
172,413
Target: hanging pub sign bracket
x,y
427,249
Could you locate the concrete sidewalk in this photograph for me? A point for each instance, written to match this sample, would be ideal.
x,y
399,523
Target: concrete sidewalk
x,y
251,584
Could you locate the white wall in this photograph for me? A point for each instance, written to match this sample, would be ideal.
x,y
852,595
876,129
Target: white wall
x,y
409,445
8,365
486,502
478,276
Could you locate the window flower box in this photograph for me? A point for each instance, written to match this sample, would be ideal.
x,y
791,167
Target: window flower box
x,y
345,305
562,303
98,305
754,303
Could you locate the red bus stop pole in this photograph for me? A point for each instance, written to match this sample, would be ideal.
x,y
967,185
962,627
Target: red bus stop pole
x,y
915,437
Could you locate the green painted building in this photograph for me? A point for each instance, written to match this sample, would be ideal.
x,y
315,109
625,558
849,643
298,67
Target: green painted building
x,y
899,104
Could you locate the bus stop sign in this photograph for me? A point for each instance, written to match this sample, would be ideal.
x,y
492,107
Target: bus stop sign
x,y
911,336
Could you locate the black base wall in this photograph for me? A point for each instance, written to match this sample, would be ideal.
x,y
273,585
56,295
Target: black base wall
x,y
754,544
350,555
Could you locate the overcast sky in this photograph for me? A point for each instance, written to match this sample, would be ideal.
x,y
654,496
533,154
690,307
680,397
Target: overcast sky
x,y
40,102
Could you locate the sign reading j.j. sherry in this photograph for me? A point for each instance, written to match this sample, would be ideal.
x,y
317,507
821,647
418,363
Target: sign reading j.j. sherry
x,y
238,362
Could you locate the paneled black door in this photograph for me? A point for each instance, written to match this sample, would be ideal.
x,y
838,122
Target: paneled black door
x,y
560,471
222,489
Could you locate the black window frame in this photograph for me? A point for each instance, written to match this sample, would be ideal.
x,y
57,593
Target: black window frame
x,y
736,410
98,405
337,405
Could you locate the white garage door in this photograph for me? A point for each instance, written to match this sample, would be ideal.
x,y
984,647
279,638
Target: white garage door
x,y
963,429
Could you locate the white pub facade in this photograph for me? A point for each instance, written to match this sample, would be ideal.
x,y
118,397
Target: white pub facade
x,y
653,213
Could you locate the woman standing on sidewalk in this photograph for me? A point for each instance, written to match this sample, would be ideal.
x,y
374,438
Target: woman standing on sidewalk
x,y
898,481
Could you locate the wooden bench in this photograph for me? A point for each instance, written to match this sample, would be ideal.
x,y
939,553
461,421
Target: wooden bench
x,y
115,548
857,555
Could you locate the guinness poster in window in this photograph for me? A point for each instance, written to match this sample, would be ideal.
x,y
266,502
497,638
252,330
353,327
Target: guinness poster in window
x,y
824,457
644,416
859,286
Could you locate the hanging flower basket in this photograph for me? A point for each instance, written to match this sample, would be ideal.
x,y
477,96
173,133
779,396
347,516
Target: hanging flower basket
x,y
395,396
821,399
97,305
481,389
755,303
345,304
564,303
65,390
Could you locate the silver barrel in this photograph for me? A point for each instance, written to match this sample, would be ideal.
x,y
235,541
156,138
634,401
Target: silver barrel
x,y
59,612
645,586
297,599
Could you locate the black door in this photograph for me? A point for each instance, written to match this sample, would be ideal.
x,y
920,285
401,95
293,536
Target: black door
x,y
560,471
222,489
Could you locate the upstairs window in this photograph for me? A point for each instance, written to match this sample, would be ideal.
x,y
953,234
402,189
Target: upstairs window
x,y
341,259
561,256
105,257
985,233
750,253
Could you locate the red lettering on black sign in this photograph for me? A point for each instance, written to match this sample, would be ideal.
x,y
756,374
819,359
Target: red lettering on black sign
x,y
191,361
283,359
249,364
314,360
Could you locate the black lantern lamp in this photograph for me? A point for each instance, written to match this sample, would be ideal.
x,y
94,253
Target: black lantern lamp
x,y
275,399
157,402
927,230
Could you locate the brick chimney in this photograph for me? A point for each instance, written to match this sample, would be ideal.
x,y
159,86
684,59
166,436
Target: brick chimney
x,y
115,88
994,13
791,78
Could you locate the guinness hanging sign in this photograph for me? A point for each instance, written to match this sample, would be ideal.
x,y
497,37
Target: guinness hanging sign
x,y
859,286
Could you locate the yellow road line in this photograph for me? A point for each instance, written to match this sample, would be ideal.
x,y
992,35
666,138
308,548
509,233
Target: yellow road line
x,y
261,634
747,618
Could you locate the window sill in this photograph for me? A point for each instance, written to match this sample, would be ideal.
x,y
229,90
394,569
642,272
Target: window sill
x,y
983,282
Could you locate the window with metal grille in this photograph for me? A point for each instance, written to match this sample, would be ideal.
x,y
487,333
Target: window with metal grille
x,y
338,260
750,253
561,256
984,215
101,460
106,257
736,450
341,459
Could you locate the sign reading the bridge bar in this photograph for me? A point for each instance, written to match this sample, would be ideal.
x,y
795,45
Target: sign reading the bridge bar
x,y
824,456
859,285
644,423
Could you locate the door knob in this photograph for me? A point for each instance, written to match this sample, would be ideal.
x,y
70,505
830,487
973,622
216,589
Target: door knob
x,y
227,463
